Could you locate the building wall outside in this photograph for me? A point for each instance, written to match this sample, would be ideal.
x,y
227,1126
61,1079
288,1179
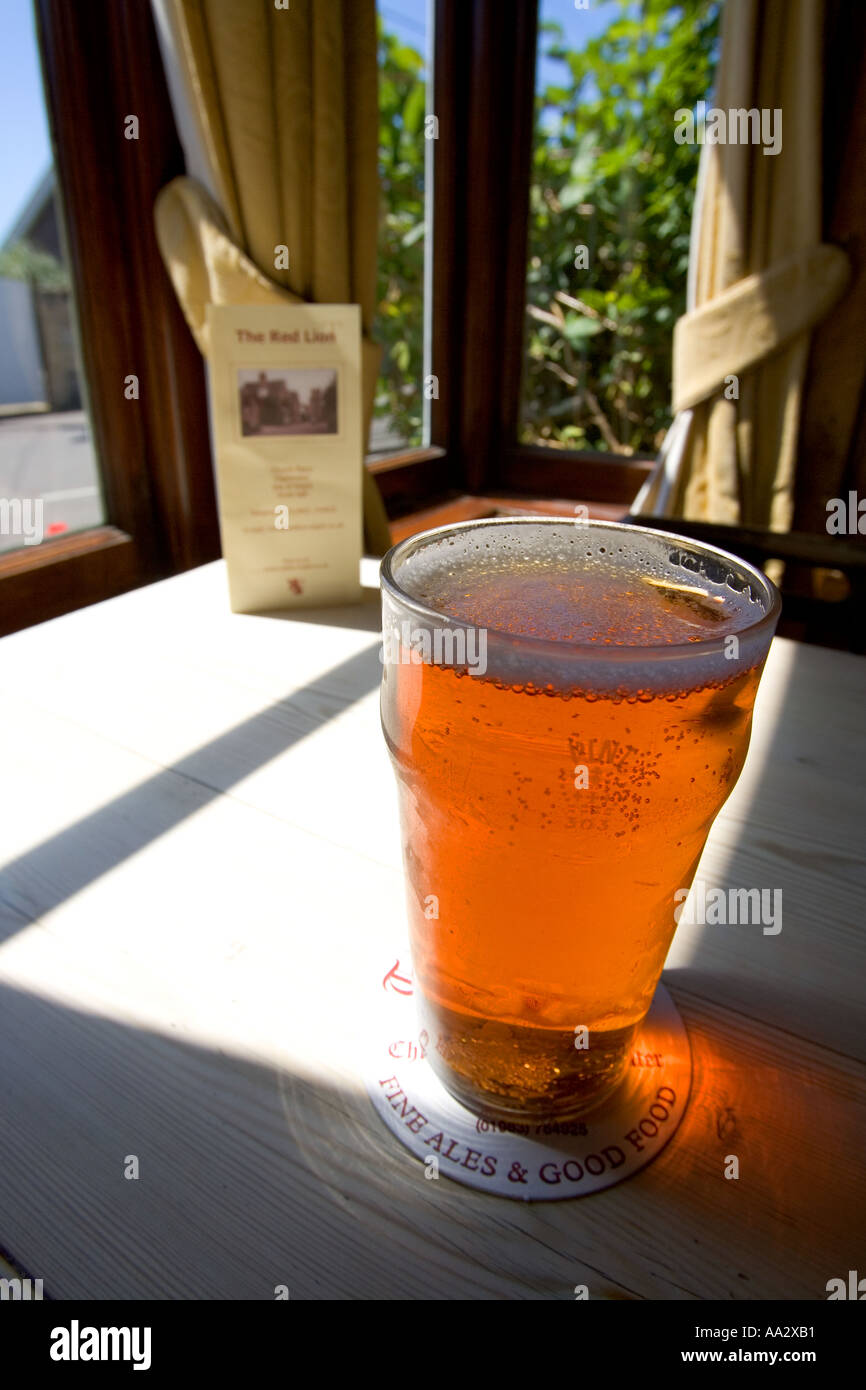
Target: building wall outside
x,y
22,380
54,314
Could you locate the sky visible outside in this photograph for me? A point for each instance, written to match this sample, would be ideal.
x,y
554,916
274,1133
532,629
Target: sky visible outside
x,y
407,19
25,150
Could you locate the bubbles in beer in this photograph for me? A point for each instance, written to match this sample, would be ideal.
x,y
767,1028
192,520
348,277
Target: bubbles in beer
x,y
560,891
551,603
587,604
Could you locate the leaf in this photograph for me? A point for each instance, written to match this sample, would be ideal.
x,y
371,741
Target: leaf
x,y
577,328
580,174
414,109
415,234
402,56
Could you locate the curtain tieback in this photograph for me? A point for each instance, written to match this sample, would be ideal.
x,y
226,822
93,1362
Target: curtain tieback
x,y
735,330
207,267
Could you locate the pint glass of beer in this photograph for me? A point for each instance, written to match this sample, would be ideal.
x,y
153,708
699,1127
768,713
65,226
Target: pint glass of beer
x,y
567,705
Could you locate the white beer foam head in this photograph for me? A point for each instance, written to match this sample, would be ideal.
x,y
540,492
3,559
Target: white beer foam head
x,y
414,566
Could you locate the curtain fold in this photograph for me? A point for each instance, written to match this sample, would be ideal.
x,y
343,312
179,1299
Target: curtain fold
x,y
760,279
285,104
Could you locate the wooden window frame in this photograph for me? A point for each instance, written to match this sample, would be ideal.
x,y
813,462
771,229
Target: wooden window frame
x,y
483,70
101,63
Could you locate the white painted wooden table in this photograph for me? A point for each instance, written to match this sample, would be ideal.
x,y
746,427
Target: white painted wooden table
x,y
202,881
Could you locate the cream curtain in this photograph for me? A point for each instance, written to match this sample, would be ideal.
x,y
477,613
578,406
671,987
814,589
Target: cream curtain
x,y
285,108
759,279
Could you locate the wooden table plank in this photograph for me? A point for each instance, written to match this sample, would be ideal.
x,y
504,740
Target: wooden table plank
x,y
252,1176
202,881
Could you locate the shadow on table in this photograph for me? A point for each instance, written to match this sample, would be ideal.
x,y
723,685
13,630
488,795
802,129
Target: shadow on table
x,y
799,843
365,616
251,1177
82,853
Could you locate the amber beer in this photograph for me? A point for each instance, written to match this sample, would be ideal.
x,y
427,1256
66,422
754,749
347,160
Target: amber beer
x,y
567,707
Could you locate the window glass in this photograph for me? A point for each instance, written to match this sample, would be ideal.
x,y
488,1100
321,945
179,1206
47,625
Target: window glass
x,y
49,475
399,416
609,217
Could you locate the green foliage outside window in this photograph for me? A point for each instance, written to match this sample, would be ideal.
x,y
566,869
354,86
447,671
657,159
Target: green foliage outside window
x,y
400,319
25,262
607,175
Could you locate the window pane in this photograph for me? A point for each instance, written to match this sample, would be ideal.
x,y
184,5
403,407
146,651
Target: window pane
x,y
49,478
609,219
399,417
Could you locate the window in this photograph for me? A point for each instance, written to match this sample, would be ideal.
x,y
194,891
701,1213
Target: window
x,y
610,208
143,374
477,397
550,386
399,414
49,477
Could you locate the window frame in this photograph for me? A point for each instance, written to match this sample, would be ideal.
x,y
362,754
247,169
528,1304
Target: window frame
x,y
101,63
483,93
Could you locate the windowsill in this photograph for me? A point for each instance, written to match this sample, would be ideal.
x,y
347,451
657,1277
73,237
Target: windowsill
x,y
470,508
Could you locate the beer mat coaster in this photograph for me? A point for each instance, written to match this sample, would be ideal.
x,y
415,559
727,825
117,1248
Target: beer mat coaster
x,y
538,1161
